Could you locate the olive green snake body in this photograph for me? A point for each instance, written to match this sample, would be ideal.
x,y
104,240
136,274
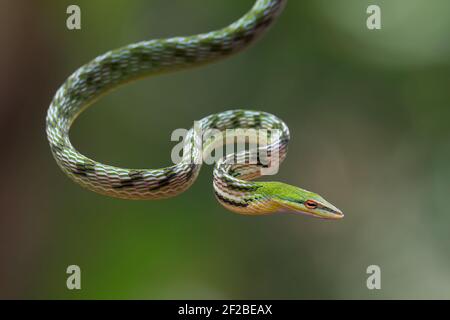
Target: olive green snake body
x,y
232,182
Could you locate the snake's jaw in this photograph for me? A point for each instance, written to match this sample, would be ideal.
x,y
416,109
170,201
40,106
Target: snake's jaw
x,y
290,206
324,210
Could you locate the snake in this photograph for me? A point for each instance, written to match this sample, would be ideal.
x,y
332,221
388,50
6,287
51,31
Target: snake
x,y
233,181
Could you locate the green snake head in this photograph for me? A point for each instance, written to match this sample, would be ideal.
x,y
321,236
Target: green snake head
x,y
293,199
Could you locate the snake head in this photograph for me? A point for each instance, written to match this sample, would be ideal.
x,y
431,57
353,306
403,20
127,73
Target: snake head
x,y
296,200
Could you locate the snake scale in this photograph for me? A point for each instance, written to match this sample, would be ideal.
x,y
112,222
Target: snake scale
x,y
233,184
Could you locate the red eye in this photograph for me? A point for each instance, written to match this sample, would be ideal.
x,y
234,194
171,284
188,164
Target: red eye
x,y
310,204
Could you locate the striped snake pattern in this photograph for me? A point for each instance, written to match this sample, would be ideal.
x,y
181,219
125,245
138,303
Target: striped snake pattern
x,y
232,182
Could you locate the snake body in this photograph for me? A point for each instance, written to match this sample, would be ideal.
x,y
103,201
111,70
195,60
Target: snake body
x,y
232,182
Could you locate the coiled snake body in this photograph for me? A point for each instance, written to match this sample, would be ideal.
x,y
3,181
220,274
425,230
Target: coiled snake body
x,y
232,184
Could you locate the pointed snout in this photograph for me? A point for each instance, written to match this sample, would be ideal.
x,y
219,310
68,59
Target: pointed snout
x,y
336,215
333,212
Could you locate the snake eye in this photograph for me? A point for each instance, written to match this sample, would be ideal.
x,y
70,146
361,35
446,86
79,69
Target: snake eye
x,y
310,204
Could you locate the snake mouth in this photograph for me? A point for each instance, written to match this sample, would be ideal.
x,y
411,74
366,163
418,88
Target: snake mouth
x,y
334,216
324,216
332,213
328,214
325,210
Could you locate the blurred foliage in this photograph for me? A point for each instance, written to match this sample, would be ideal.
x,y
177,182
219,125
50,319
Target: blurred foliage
x,y
369,115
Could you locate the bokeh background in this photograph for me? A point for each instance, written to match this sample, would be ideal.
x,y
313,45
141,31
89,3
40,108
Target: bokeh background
x,y
369,114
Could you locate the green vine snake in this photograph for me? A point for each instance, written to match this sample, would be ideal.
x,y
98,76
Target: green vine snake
x,y
233,183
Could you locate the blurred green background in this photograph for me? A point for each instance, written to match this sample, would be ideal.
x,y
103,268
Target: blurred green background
x,y
369,113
